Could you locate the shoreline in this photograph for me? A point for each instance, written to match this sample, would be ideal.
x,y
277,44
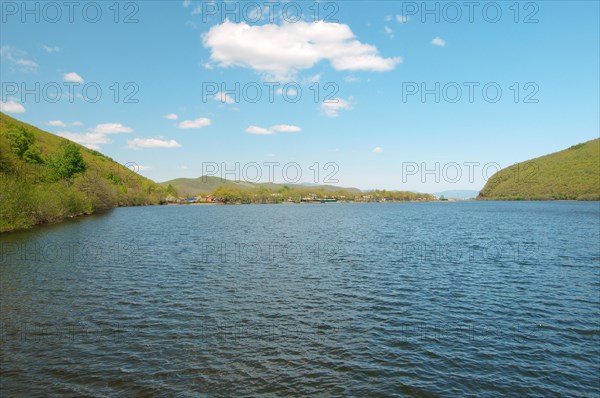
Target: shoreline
x,y
82,215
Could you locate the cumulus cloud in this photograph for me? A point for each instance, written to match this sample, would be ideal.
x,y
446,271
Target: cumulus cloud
x,y
171,116
60,123
223,97
280,51
139,143
259,130
195,124
111,128
278,128
72,77
332,107
378,149
86,139
11,106
94,136
286,128
438,41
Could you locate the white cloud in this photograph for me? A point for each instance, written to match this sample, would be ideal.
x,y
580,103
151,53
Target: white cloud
x,y
17,58
388,18
259,130
378,149
186,3
389,32
94,137
60,123
332,107
278,128
27,64
111,128
195,124
313,79
50,49
438,41
290,92
139,143
280,51
171,116
11,106
72,77
223,97
402,18
85,139
286,128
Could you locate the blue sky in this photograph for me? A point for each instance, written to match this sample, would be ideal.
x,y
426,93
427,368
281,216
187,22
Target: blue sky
x,y
368,55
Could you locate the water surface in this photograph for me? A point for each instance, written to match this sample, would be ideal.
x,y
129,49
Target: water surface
x,y
390,299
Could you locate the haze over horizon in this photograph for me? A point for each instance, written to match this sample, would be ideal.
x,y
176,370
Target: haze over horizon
x,y
408,84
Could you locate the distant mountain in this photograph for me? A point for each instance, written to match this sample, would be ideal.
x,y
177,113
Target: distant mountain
x,y
571,174
207,184
458,194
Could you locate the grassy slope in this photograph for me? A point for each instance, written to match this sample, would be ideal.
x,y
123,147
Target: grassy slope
x,y
573,173
29,197
208,184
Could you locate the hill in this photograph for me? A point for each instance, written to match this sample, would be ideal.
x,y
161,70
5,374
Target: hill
x,y
226,191
45,178
571,174
208,184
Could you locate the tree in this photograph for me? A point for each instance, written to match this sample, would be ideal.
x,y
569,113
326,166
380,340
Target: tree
x,y
19,139
68,162
171,191
33,155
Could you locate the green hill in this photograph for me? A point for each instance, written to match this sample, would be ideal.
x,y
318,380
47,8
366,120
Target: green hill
x,y
227,191
571,174
208,184
45,178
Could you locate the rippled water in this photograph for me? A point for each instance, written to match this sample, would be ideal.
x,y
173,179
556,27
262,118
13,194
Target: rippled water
x,y
391,299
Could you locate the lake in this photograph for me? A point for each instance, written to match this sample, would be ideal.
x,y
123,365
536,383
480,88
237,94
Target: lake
x,y
384,299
